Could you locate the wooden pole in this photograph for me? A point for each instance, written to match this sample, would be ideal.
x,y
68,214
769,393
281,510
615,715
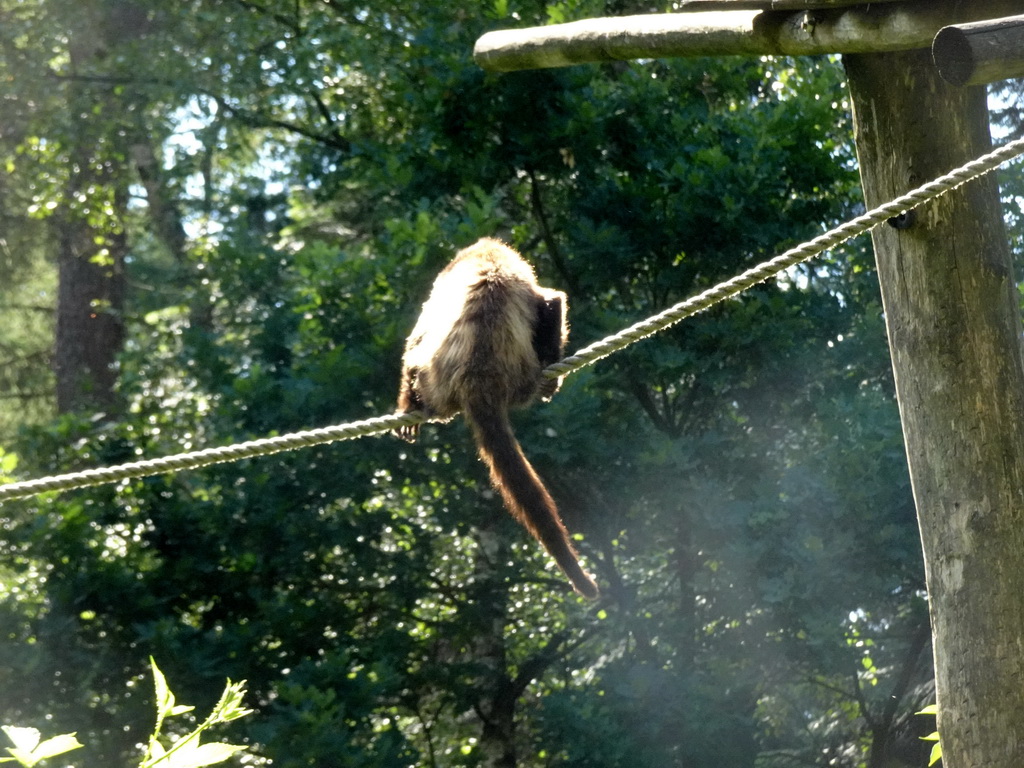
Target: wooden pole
x,y
875,27
952,314
984,52
770,5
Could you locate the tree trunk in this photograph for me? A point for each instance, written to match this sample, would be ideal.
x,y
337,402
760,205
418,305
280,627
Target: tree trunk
x,y
91,243
954,334
164,215
495,701
89,334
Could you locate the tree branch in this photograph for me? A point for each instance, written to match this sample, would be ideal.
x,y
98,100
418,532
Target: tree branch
x,y
537,207
642,394
247,117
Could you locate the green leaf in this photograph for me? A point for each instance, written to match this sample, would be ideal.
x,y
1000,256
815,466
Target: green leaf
x,y
29,750
156,752
58,745
24,738
164,697
203,754
8,462
165,702
229,707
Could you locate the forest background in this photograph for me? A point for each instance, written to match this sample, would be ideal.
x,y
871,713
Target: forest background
x,y
218,221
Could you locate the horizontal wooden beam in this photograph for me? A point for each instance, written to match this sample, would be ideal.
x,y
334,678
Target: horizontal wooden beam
x,y
686,6
624,37
877,28
982,52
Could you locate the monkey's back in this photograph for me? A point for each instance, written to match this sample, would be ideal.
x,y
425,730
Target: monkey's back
x,y
482,339
474,338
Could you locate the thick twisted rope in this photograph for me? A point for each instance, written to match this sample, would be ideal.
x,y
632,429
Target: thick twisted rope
x,y
581,359
204,458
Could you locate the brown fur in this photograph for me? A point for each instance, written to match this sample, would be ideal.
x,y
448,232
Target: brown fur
x,y
483,338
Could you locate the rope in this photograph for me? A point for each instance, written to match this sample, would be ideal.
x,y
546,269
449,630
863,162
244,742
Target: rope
x,y
586,356
204,458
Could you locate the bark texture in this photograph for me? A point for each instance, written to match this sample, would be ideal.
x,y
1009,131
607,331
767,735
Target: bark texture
x,y
90,247
952,315
90,331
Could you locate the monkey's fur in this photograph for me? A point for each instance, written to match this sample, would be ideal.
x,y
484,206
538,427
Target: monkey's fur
x,y
483,338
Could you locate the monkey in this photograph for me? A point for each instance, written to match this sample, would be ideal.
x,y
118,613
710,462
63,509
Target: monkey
x,y
483,337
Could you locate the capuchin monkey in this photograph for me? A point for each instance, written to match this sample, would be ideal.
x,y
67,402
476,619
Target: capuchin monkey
x,y
483,338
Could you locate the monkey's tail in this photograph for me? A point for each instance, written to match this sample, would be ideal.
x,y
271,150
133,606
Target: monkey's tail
x,y
524,493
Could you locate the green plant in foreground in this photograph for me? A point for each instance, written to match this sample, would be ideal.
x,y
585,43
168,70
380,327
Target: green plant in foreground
x,y
932,709
28,749
185,752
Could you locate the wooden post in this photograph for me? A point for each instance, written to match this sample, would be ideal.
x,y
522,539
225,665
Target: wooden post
x,y
952,314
